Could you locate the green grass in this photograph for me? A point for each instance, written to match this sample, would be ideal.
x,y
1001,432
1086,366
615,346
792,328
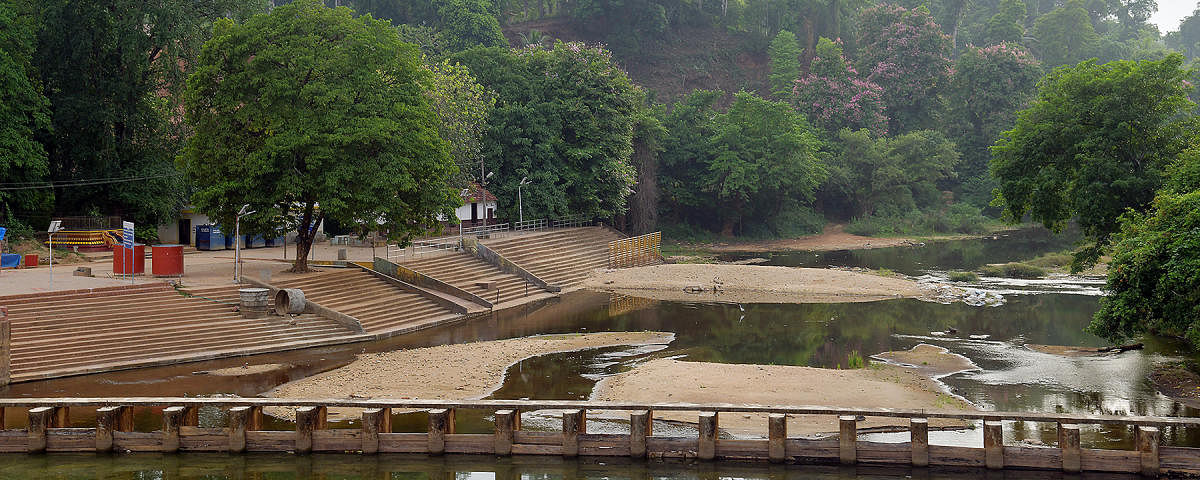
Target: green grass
x,y
856,361
1013,270
1052,260
963,277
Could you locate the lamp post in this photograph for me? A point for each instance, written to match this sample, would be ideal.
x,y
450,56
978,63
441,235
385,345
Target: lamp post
x,y
520,204
237,242
55,226
482,195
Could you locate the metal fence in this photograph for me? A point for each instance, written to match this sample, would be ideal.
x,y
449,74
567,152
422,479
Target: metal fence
x,y
422,247
486,230
571,221
539,224
635,251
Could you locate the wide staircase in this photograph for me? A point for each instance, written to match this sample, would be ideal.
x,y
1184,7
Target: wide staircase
x,y
474,275
381,308
69,333
562,257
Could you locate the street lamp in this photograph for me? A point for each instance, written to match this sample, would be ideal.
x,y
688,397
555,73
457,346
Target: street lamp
x,y
237,242
520,203
55,226
482,196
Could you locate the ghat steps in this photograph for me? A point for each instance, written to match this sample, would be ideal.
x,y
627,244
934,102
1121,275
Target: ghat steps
x,y
560,257
465,271
381,308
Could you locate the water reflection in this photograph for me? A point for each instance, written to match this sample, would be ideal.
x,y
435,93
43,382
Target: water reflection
x,y
453,467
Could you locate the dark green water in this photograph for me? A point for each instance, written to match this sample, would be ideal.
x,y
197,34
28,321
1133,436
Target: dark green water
x,y
450,467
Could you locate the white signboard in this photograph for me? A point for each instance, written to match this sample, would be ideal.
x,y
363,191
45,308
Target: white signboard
x,y
127,234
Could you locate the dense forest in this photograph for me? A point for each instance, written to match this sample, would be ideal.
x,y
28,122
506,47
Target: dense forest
x,y
750,118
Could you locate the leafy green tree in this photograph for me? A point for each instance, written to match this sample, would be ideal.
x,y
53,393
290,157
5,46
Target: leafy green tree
x,y
1093,144
564,118
23,113
887,177
785,64
835,96
113,72
905,52
1187,38
462,107
1065,35
310,114
988,87
1154,275
468,23
1007,25
744,162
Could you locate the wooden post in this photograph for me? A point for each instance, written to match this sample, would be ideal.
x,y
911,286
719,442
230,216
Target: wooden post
x,y
374,422
5,350
641,425
574,423
39,421
776,436
707,448
918,429
505,424
2,419
1068,444
109,420
239,420
307,420
191,416
1147,442
61,418
993,444
173,418
441,423
848,439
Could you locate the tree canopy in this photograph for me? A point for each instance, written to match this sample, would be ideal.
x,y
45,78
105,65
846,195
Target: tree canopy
x,y
835,96
1093,144
308,114
23,113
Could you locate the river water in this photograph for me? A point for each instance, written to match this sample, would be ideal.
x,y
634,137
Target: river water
x,y
1009,377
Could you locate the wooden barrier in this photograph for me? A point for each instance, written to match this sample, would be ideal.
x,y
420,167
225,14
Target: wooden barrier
x,y
49,430
635,251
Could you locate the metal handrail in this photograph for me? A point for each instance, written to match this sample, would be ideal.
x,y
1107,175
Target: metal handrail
x,y
420,247
539,224
635,251
486,229
571,221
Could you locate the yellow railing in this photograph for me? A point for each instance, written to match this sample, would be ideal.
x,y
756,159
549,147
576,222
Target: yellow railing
x,y
635,251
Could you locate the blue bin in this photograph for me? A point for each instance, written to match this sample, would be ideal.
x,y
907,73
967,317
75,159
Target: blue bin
x,y
10,260
255,241
274,242
209,237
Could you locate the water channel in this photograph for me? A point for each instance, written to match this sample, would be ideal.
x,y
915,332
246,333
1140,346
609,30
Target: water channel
x,y
1009,377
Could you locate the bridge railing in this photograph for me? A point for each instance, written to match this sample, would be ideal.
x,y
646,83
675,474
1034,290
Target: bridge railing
x,y
49,429
635,251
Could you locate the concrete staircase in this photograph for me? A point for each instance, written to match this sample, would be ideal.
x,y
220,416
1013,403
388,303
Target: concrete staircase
x,y
379,306
562,257
464,271
70,333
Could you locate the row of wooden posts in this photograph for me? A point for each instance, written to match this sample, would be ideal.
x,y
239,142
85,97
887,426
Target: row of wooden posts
x,y
49,430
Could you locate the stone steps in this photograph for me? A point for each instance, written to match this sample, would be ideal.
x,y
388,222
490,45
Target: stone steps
x,y
378,305
463,270
562,257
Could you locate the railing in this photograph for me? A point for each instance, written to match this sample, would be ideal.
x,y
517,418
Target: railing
x,y
570,221
539,224
635,251
420,247
88,238
494,230
48,430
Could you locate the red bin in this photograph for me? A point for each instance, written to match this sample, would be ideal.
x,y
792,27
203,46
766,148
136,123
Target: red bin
x,y
31,260
167,260
122,260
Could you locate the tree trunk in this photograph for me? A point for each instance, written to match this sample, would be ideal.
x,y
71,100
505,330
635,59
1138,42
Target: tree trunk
x,y
810,43
727,227
305,233
303,247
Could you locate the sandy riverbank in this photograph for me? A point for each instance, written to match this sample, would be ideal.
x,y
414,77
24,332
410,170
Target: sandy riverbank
x,y
449,372
879,385
752,284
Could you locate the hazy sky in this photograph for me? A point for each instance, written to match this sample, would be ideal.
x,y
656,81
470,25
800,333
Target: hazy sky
x,y
1171,12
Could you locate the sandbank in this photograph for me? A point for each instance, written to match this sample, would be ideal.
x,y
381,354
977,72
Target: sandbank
x,y
751,284
929,360
880,385
445,372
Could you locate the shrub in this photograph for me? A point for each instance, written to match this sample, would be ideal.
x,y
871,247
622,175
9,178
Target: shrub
x,y
856,360
991,271
1052,260
963,277
1012,270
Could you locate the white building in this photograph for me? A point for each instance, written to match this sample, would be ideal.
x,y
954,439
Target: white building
x,y
471,211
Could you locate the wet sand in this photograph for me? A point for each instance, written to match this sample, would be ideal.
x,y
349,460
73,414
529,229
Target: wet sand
x,y
879,385
445,372
751,284
930,360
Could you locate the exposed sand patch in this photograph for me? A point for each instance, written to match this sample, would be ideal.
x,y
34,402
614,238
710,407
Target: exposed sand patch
x,y
246,370
834,237
1076,351
880,385
445,372
752,284
930,360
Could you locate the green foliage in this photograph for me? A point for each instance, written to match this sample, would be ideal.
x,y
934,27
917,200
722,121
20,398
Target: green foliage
x,y
1066,35
745,162
957,218
564,118
468,23
1093,144
785,64
1012,270
855,360
309,114
1154,275
835,96
886,177
462,106
963,277
24,112
1187,38
1052,260
907,54
1006,26
430,40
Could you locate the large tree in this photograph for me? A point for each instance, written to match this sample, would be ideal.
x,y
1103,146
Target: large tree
x,y
904,52
785,64
565,119
23,112
308,114
835,96
1093,144
887,176
1065,35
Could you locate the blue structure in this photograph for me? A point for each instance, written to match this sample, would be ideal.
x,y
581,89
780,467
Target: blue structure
x,y
209,237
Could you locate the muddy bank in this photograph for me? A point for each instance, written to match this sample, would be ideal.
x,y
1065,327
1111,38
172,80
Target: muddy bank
x,y
1076,351
1178,381
752,284
930,360
446,372
879,385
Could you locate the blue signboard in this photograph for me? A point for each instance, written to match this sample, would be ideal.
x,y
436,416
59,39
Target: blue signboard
x,y
127,234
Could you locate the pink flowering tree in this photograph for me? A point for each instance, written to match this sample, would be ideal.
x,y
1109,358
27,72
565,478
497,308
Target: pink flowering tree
x,y
907,54
834,96
986,90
